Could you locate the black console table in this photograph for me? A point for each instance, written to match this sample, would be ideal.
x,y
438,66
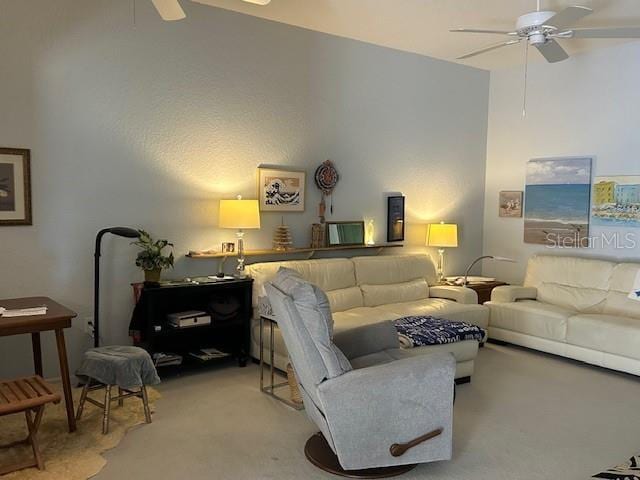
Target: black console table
x,y
153,331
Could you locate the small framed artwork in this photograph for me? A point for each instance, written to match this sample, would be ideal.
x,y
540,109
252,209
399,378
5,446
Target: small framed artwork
x,y
511,204
345,233
15,186
395,219
281,190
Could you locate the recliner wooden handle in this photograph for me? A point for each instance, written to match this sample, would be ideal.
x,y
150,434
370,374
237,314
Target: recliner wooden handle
x,y
399,449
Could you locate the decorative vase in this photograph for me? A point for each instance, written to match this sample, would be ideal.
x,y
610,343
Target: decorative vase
x,y
152,276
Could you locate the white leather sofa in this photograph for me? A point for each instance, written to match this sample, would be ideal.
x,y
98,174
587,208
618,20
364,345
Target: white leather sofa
x,y
574,307
369,290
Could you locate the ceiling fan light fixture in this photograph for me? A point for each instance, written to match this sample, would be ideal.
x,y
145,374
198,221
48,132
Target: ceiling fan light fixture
x,y
169,10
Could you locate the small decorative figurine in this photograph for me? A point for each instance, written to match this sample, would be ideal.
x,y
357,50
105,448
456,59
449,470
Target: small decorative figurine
x,y
282,239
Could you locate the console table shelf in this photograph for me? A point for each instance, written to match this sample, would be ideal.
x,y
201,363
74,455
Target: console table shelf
x,y
309,251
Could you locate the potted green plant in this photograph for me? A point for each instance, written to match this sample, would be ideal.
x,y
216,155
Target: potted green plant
x,y
150,258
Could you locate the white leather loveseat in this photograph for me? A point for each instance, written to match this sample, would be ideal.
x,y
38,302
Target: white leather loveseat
x,y
369,290
574,307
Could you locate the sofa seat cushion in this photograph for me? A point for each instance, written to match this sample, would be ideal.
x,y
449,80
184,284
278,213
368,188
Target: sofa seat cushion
x,y
358,317
606,333
438,307
532,318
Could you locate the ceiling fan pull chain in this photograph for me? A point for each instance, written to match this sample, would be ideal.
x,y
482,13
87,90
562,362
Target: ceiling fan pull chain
x,y
526,74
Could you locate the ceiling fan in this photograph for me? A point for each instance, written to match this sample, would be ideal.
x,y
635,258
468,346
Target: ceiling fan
x,y
541,28
171,10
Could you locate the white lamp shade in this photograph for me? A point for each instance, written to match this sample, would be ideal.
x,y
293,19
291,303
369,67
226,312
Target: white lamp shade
x,y
442,235
240,214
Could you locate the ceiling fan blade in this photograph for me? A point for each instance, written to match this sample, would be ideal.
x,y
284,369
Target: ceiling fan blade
x,y
479,30
488,49
621,32
552,51
568,17
258,2
169,10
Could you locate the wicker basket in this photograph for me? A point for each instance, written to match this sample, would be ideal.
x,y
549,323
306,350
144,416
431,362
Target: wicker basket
x,y
294,389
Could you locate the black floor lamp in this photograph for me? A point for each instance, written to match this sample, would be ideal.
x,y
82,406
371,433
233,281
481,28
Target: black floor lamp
x,y
120,232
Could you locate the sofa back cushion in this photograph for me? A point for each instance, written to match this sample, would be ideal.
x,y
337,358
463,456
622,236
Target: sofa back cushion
x,y
375,295
580,284
574,272
618,301
345,299
331,275
394,269
584,284
584,300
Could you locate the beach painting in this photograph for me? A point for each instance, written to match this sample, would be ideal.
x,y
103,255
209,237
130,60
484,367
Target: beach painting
x,y
557,202
616,202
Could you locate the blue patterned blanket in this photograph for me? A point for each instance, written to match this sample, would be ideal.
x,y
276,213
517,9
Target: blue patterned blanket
x,y
418,331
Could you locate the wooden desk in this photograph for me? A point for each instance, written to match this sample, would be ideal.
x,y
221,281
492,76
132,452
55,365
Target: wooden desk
x,y
56,319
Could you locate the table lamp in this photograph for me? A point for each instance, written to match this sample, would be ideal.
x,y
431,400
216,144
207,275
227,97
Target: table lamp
x,y
442,235
239,214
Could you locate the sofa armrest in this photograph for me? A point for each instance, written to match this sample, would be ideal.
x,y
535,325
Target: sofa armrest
x,y
367,339
370,409
457,294
513,293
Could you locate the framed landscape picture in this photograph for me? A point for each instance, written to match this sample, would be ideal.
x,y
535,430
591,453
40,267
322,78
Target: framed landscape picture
x,y
511,204
557,202
395,219
15,186
616,202
281,190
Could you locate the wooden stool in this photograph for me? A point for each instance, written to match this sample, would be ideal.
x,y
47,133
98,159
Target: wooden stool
x,y
28,395
106,405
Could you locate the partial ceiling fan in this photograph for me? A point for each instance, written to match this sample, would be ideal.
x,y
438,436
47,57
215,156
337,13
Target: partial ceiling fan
x,y
171,10
541,29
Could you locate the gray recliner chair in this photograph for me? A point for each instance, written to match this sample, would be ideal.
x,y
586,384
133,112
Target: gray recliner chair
x,y
380,411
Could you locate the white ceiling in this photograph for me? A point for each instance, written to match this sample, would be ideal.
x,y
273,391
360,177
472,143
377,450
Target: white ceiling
x,y
422,26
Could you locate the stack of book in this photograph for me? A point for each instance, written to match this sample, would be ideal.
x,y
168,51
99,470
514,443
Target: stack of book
x,y
23,312
166,359
207,354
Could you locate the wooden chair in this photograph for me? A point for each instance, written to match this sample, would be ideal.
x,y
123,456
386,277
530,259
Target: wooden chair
x,y
29,395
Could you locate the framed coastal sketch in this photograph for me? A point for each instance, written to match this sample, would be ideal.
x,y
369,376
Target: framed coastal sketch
x,y
15,186
557,202
616,202
395,219
281,190
510,204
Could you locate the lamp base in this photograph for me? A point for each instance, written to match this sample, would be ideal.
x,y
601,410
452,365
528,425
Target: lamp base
x,y
240,272
440,268
318,452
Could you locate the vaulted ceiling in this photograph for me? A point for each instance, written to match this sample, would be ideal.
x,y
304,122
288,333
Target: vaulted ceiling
x,y
422,26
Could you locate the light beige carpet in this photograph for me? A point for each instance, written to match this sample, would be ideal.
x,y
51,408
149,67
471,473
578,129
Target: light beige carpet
x,y
69,456
525,416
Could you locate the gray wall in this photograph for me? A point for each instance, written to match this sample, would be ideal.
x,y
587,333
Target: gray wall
x,y
149,125
585,106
